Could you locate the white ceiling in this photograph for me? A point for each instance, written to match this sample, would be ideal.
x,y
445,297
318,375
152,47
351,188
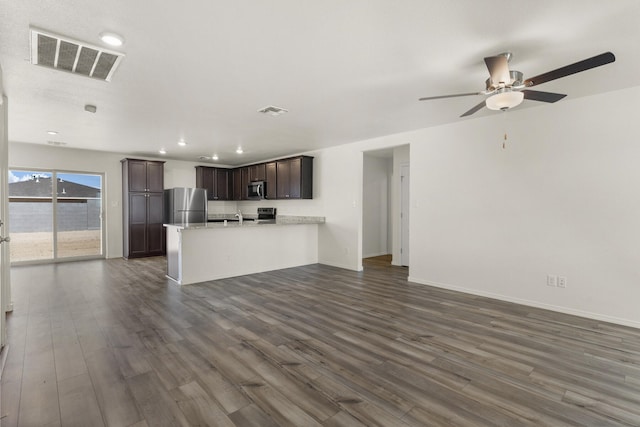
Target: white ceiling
x,y
346,70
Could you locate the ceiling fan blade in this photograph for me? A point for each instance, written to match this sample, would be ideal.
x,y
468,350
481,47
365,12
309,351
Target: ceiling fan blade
x,y
498,67
584,65
428,98
536,95
474,109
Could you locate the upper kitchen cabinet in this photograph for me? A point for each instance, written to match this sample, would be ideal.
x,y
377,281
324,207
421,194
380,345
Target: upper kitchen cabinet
x,y
205,179
271,176
144,175
257,172
215,180
222,184
240,180
294,178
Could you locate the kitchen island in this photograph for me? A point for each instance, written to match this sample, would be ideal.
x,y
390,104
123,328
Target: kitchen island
x,y
217,250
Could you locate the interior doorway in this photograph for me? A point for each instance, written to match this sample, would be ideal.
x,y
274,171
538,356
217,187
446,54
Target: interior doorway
x,y
376,205
382,198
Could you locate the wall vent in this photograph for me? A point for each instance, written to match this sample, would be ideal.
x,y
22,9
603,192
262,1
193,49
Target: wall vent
x,y
65,54
273,110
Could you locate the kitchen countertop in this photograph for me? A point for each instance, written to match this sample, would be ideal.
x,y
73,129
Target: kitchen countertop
x,y
249,221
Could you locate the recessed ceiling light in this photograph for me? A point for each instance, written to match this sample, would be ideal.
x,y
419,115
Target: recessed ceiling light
x,y
214,157
52,132
239,150
182,143
162,151
112,39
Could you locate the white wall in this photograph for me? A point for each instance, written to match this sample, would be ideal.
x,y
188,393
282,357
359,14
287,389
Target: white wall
x,y
376,201
340,181
401,156
562,198
176,174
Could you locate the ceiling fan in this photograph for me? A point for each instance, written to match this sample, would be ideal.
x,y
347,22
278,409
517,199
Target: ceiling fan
x,y
507,89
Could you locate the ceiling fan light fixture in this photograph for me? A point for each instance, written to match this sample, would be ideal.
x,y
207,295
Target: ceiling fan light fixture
x,y
504,100
112,39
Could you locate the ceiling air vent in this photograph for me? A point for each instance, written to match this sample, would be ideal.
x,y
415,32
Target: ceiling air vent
x,y
273,110
62,53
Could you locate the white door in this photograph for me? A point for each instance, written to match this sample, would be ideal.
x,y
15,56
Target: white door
x,y
404,215
5,296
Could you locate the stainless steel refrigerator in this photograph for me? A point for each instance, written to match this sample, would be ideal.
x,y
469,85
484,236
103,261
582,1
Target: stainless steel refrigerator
x,y
185,205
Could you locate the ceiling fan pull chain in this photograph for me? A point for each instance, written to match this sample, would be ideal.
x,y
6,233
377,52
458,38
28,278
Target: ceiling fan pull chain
x,y
504,124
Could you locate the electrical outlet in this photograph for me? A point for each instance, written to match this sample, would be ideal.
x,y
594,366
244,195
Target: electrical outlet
x,y
562,282
552,280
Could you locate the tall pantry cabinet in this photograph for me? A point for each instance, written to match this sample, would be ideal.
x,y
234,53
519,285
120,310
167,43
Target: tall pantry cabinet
x,y
142,207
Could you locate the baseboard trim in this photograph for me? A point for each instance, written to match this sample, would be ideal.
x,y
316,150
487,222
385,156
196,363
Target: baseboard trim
x,y
536,304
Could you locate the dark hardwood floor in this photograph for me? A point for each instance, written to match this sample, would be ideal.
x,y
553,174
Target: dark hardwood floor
x,y
115,343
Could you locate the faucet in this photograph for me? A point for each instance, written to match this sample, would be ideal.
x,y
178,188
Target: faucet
x,y
239,216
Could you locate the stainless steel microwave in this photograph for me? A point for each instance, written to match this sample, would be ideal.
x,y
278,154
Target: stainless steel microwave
x,y
257,190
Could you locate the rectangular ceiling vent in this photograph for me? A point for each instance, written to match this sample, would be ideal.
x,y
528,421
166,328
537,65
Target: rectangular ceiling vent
x,y
273,110
65,54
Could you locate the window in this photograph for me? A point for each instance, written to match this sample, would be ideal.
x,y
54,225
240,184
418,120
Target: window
x,y
55,215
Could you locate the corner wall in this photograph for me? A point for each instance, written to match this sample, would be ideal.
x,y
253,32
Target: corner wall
x,y
563,198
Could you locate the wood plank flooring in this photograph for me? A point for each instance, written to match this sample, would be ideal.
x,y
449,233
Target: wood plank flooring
x,y
114,343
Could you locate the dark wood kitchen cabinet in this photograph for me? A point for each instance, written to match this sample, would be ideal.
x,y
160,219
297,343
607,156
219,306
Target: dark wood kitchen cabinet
x,y
143,175
257,172
142,191
215,180
272,180
294,178
222,184
239,183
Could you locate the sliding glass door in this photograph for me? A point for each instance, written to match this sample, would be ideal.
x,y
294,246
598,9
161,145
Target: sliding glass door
x,y
55,215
